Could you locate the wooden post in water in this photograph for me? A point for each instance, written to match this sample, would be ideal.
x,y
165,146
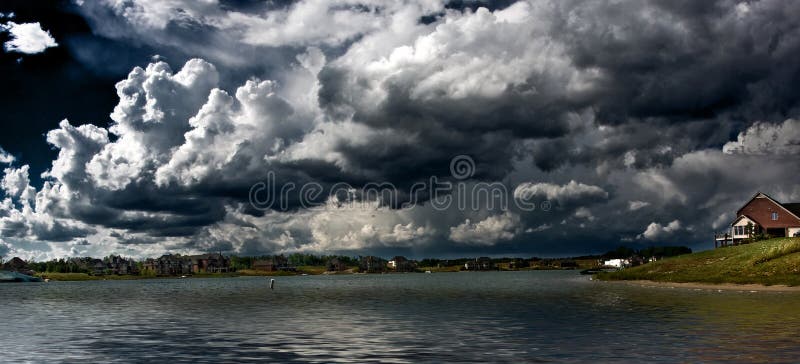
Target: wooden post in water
x,y
272,284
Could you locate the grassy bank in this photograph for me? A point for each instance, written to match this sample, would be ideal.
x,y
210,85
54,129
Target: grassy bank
x,y
85,277
769,262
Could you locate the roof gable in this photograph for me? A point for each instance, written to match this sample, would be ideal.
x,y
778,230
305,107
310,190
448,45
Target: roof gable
x,y
760,207
743,217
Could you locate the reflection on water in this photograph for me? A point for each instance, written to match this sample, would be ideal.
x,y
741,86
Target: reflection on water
x,y
459,317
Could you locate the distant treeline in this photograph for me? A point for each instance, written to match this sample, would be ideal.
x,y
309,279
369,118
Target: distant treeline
x,y
83,265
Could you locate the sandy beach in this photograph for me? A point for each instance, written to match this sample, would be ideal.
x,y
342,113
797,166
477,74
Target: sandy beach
x,y
708,286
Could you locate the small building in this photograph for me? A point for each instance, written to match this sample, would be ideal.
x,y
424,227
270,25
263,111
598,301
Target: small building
x,y
761,215
210,263
401,264
15,265
616,263
169,265
372,264
273,264
97,267
517,263
482,263
121,266
18,265
335,265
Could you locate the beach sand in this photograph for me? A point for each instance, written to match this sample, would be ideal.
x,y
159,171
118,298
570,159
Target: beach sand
x,y
709,286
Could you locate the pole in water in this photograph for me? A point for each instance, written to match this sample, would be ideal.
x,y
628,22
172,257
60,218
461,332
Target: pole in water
x,y
271,284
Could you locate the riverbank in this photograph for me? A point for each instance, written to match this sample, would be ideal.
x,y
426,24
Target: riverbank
x,y
302,270
774,262
708,286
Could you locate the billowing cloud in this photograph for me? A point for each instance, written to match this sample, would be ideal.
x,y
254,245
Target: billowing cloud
x,y
16,183
766,138
656,231
27,38
489,231
569,105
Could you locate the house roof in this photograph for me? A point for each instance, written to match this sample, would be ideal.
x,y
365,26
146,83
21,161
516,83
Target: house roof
x,y
792,208
15,263
743,217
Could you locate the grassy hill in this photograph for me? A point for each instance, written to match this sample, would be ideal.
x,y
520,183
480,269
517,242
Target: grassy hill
x,y
769,262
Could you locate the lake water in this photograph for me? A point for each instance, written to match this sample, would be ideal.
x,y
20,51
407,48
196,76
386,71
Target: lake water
x,y
405,318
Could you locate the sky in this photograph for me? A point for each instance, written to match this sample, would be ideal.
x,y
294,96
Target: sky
x,y
552,127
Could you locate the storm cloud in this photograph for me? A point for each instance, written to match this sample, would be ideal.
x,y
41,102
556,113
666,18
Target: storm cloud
x,y
622,122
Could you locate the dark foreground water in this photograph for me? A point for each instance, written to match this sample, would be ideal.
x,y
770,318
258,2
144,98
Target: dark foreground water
x,y
404,318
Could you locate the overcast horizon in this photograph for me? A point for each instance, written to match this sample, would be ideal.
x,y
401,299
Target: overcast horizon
x,y
143,127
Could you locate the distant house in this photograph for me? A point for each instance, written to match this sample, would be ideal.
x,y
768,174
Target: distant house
x,y
372,264
401,264
210,263
97,267
121,266
761,215
616,263
482,263
273,264
517,263
335,265
485,263
17,265
169,265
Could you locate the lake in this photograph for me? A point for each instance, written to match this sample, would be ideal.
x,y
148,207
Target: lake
x,y
541,316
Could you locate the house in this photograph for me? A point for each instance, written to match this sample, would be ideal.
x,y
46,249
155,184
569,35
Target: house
x,y
517,263
335,265
210,263
401,264
17,265
97,267
616,263
273,264
169,265
482,263
372,264
761,215
121,266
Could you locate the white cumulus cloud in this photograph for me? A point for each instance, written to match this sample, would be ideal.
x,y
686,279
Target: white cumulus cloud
x,y
28,38
656,231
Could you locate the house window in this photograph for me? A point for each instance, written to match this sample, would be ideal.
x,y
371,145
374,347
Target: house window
x,y
774,216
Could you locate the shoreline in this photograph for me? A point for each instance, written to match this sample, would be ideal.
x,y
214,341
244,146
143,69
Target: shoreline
x,y
749,287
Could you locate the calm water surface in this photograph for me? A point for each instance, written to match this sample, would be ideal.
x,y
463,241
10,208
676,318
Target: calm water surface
x,y
403,318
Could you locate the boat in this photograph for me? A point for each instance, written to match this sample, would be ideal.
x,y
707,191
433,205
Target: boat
x,y
428,272
9,276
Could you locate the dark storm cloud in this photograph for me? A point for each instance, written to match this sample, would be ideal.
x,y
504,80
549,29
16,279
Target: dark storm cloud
x,y
687,60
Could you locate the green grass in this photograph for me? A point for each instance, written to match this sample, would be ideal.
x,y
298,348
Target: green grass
x,y
769,262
